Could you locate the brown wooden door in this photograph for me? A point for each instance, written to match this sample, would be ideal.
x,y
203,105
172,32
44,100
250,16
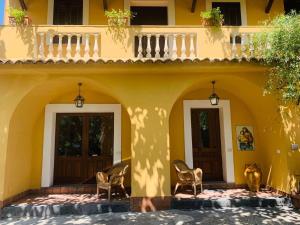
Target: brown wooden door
x,y
206,143
83,146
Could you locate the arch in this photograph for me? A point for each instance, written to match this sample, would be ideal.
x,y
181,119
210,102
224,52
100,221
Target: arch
x,y
243,112
25,137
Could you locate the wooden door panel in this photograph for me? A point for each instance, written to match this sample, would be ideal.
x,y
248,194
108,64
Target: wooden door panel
x,y
207,143
84,146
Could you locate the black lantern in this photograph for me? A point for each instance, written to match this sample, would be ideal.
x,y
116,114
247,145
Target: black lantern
x,y
79,100
214,98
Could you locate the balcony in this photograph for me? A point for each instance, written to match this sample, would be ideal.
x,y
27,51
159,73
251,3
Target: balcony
x,y
86,43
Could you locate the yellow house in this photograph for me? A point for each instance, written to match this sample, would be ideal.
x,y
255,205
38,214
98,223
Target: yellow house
x,y
146,88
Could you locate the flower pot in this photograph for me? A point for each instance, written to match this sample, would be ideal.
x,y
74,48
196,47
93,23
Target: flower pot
x,y
117,22
208,22
296,200
26,21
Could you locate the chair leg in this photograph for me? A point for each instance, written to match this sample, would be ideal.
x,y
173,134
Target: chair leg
x,y
122,186
195,190
176,187
201,186
97,191
109,193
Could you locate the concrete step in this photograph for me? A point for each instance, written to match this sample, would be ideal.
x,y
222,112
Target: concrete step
x,y
185,204
34,210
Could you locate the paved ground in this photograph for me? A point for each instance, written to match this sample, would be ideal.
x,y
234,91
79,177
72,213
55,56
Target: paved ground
x,y
238,216
92,198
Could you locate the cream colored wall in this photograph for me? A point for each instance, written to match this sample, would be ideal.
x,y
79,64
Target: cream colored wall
x,y
240,115
37,10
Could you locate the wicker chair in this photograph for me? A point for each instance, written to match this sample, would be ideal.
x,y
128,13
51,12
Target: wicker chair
x,y
114,177
187,176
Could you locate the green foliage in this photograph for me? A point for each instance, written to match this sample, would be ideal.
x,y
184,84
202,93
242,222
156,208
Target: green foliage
x,y
118,18
279,47
214,17
18,14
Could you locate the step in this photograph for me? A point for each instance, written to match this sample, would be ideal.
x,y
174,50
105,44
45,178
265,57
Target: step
x,y
43,210
185,204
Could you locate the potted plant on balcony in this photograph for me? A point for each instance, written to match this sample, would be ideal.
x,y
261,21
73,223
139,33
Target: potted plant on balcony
x,y
17,17
212,17
118,18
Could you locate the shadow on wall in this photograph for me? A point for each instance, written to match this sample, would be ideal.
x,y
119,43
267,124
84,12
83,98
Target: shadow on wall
x,y
2,47
284,169
27,34
150,153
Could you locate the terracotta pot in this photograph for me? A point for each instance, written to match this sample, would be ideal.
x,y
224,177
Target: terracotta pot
x,y
253,177
296,200
207,22
26,21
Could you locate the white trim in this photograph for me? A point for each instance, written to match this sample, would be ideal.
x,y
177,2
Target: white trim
x,y
226,134
85,12
243,8
169,3
49,133
50,12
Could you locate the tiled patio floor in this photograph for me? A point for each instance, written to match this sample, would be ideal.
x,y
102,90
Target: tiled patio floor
x,y
50,199
226,193
47,199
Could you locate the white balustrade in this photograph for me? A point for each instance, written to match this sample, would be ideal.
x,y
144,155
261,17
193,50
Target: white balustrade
x,y
166,46
234,47
61,47
148,46
41,46
246,48
157,48
50,48
96,47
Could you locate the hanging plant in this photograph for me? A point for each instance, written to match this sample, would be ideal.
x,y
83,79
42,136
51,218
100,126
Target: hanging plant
x,y
118,18
117,22
212,17
17,17
279,47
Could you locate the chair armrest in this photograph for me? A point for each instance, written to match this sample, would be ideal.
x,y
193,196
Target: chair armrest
x,y
114,177
198,173
101,177
191,172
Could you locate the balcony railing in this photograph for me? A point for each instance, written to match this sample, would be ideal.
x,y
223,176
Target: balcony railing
x,y
136,43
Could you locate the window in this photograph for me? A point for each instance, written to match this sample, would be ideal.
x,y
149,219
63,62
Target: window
x,y
152,12
145,15
231,12
68,12
290,5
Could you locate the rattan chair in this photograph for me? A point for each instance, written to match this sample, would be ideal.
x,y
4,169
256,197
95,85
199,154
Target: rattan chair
x,y
187,176
114,177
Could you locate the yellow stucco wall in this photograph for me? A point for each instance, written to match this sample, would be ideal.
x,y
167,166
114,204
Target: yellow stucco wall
x,y
151,96
37,10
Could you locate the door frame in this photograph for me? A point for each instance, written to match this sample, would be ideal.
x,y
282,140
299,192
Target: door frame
x,y
85,12
50,127
225,134
168,3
